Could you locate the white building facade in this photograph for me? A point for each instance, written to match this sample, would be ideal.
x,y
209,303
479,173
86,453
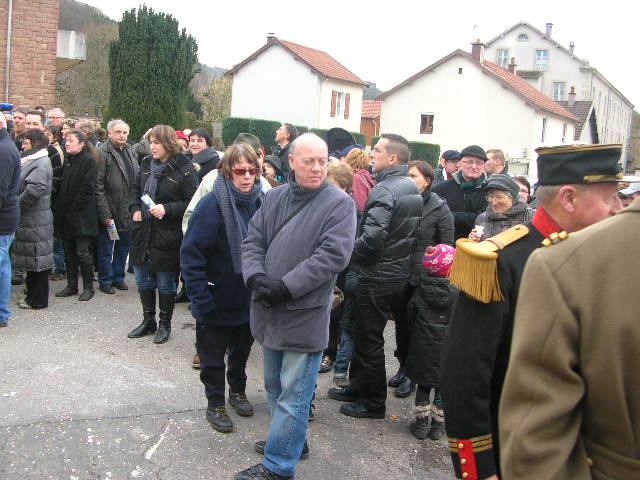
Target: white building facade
x,y
287,82
458,101
554,69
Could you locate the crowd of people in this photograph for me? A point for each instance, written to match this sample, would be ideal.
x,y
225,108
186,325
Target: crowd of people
x,y
308,252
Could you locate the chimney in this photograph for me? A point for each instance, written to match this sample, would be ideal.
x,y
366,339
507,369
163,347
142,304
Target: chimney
x,y
270,37
549,29
571,47
572,97
513,65
477,51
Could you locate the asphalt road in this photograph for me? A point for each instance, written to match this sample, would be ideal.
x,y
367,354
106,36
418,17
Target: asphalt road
x,y
79,400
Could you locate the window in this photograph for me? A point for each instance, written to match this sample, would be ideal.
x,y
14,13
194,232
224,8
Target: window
x,y
503,57
564,133
542,60
559,89
460,71
523,37
426,123
544,130
340,104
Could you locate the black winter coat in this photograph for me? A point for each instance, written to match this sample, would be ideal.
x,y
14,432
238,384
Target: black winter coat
x,y
387,233
465,205
205,161
158,240
436,226
428,312
75,211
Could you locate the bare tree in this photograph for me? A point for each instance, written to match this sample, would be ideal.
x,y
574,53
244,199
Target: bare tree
x,y
216,99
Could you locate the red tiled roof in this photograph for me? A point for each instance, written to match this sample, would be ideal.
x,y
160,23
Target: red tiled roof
x,y
533,94
323,62
371,109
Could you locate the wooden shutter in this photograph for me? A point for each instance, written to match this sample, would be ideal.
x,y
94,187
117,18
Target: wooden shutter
x,y
346,105
334,96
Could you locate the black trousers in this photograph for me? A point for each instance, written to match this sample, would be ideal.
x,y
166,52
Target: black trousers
x,y
334,333
212,343
37,289
373,305
399,311
77,251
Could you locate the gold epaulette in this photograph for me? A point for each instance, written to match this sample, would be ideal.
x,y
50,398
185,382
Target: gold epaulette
x,y
555,238
475,268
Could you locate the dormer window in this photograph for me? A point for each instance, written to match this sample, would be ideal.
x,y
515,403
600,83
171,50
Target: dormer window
x,y
523,37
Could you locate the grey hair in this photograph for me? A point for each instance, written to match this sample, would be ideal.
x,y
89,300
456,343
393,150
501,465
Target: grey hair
x,y
57,111
115,121
300,138
546,193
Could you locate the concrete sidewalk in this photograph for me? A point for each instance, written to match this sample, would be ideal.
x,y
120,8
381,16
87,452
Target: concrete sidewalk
x,y
79,400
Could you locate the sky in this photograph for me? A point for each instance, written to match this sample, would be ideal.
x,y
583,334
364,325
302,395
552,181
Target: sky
x,y
387,42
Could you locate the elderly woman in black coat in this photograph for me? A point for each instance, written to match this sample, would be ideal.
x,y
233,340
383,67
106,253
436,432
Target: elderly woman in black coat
x,y
167,181
76,213
32,248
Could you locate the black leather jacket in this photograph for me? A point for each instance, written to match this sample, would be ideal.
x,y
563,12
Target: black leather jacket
x,y
387,232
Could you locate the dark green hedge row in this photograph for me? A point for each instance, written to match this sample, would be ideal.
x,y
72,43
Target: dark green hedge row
x,y
265,130
420,151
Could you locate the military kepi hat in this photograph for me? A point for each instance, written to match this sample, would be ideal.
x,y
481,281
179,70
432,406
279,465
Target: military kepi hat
x,y
572,164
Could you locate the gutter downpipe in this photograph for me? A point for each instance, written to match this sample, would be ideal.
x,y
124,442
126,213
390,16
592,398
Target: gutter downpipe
x,y
8,58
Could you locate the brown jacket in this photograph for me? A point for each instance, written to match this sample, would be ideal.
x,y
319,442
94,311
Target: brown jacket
x,y
571,402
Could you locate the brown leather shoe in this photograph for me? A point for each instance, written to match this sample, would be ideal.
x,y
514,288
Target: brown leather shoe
x,y
196,361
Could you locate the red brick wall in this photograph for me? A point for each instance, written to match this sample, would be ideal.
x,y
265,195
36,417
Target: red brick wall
x,y
33,51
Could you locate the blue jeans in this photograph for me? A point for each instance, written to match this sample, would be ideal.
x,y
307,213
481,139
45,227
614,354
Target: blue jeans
x,y
5,277
345,351
58,255
290,380
165,282
112,258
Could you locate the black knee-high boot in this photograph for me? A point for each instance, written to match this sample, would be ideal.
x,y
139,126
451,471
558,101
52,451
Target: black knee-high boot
x,y
167,302
148,325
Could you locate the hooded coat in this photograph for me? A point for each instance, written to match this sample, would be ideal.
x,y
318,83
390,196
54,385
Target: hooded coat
x,y
205,161
32,248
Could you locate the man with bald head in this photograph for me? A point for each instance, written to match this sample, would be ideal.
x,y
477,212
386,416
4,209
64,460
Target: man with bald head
x,y
298,241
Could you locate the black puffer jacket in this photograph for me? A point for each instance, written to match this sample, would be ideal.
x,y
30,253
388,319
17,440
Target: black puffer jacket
x,y
428,312
75,210
205,161
436,226
161,238
387,232
465,204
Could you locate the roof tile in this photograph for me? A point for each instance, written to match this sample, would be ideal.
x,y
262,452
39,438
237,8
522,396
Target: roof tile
x,y
371,108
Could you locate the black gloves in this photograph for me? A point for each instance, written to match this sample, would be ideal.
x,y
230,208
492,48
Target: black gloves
x,y
269,291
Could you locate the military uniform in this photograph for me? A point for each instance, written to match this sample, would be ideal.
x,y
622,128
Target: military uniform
x,y
477,347
571,402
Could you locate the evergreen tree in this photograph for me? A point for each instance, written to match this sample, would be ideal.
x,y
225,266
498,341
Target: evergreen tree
x,y
151,66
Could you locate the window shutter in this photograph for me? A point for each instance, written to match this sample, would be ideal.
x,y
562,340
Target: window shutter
x,y
346,106
334,95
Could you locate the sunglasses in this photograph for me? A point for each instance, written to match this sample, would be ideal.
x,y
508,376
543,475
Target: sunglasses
x,y
241,172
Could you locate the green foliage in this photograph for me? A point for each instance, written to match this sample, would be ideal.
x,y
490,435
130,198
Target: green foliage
x,y
202,124
151,66
194,104
374,140
216,99
265,130
425,151
302,129
360,138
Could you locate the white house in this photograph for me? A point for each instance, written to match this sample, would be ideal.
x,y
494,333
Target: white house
x,y
554,69
463,99
292,83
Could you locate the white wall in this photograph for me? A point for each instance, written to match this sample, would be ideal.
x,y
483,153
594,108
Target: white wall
x,y
325,120
468,108
613,112
275,86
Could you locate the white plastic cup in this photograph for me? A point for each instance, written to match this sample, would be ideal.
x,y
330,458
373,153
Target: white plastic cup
x,y
479,229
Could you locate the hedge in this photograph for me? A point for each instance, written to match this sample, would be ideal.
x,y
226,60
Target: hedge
x,y
361,138
232,126
425,151
374,140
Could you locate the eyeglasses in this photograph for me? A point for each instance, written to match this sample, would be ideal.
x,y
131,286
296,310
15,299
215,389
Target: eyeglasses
x,y
478,163
241,172
500,197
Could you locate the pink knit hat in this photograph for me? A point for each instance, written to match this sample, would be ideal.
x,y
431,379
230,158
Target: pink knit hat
x,y
438,260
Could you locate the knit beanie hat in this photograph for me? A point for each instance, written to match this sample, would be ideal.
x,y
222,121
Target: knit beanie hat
x,y
500,181
438,260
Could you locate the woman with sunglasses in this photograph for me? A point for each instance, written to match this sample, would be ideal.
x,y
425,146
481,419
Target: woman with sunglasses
x,y
211,263
167,181
506,208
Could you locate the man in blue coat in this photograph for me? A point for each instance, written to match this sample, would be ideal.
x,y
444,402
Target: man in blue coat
x,y
298,241
9,214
